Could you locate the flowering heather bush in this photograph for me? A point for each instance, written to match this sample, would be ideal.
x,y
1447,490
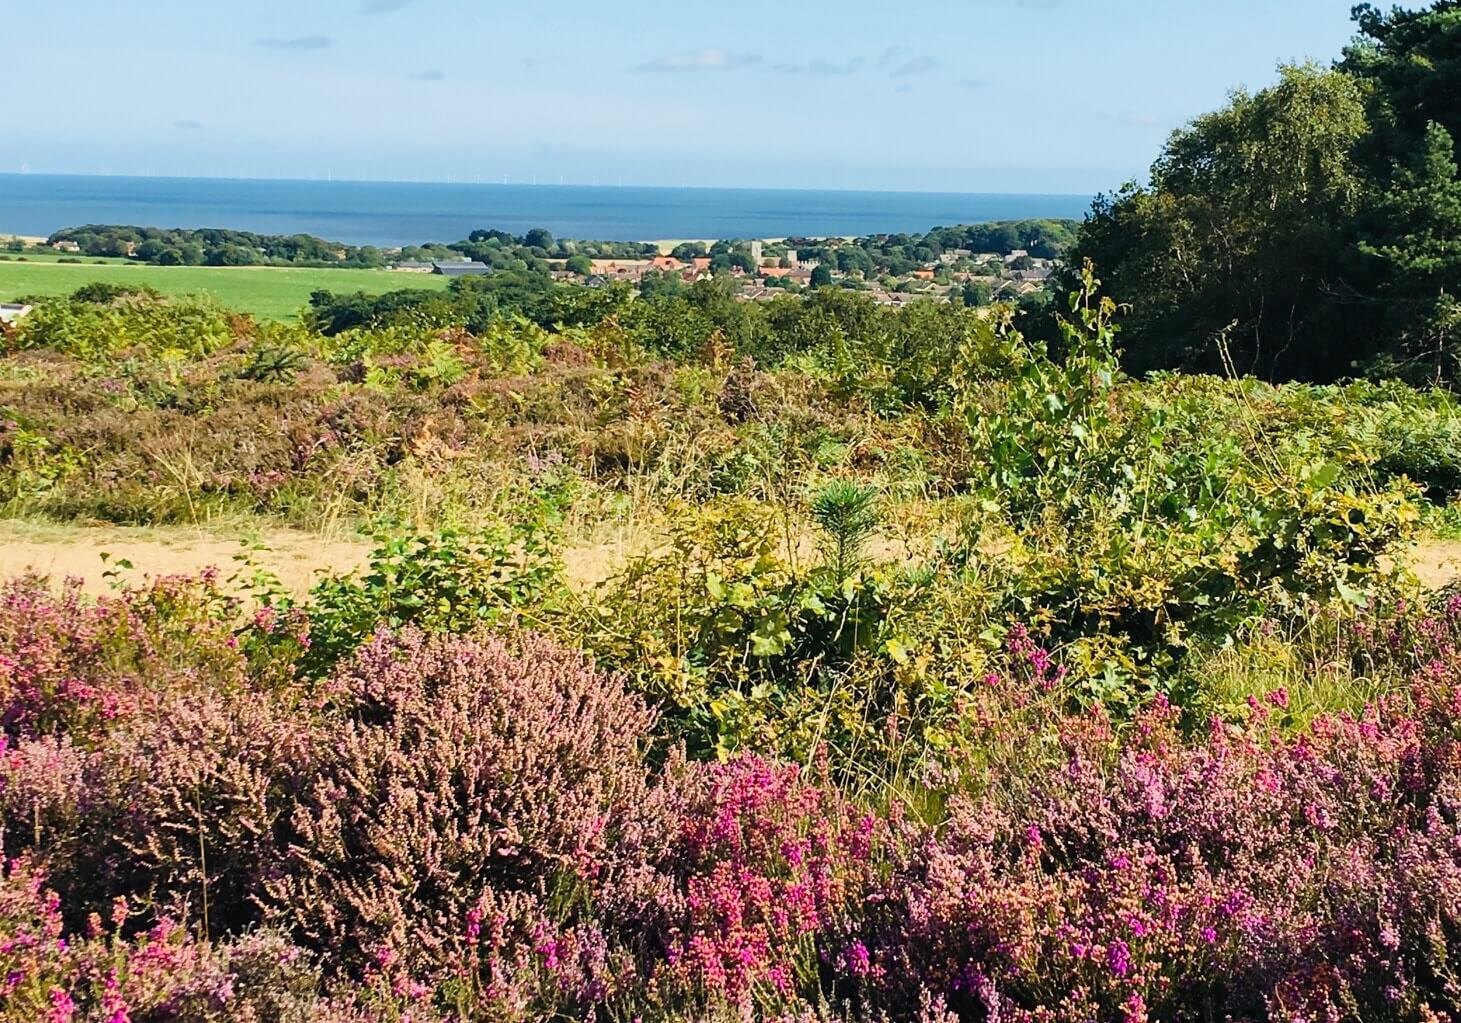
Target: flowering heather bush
x,y
70,665
770,870
1247,877
186,808
97,976
469,776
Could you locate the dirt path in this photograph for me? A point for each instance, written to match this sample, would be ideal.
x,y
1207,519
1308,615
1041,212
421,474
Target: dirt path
x,y
299,558
296,557
1437,563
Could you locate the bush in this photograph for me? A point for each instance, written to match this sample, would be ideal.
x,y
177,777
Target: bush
x,y
464,770
159,327
444,582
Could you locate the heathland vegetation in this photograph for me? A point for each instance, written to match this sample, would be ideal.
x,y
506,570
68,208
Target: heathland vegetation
x,y
953,672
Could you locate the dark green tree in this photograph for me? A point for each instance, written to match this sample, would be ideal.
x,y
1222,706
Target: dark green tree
x,y
1416,237
1243,242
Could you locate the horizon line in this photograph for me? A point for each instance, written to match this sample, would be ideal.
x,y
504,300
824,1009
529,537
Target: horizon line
x,y
531,185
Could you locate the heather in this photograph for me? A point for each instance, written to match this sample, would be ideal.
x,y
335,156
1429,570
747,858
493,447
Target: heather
x,y
964,680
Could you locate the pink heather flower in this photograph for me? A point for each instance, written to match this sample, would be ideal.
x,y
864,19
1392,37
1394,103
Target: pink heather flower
x,y
119,911
63,1009
856,959
1318,816
1209,935
1118,958
1033,837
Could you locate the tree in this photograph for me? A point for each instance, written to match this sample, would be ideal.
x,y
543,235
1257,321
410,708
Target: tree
x,y
580,264
1413,58
1243,242
1416,237
538,238
821,275
977,293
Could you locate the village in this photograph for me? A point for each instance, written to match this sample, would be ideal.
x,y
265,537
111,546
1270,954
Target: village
x,y
764,270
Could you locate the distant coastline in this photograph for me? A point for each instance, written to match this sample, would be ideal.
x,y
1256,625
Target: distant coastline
x,y
388,213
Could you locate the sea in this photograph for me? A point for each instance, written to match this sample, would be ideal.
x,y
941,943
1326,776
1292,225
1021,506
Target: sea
x,y
406,213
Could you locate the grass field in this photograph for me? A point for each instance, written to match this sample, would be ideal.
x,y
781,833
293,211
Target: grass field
x,y
269,293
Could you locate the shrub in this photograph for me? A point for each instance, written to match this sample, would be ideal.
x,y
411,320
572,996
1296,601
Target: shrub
x,y
182,807
1246,877
141,322
69,665
772,868
445,582
465,769
100,976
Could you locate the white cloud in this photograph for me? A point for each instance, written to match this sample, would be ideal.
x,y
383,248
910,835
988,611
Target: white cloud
x,y
298,43
824,68
702,60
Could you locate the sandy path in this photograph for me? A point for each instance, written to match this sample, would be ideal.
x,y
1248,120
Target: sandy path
x,y
296,557
299,558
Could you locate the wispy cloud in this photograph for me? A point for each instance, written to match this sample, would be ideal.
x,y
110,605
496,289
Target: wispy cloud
x,y
701,60
382,6
430,75
972,83
188,124
901,62
297,43
824,68
919,65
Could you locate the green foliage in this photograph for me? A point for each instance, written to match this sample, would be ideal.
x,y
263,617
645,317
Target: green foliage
x,y
443,582
1244,233
1150,519
158,327
273,364
1309,230
847,515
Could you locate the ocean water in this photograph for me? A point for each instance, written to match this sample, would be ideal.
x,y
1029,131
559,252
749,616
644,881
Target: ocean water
x,y
391,213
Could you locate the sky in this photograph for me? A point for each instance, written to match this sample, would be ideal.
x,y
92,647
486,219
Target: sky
x,y
1054,96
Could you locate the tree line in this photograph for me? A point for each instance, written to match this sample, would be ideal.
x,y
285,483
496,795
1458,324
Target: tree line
x,y
1311,230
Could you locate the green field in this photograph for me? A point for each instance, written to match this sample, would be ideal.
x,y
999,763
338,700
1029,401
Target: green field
x,y
269,293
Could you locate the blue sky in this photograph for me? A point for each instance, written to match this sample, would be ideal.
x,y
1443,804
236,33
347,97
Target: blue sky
x,y
943,95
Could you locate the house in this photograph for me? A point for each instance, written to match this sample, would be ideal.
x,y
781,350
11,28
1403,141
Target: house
x,y
413,266
1019,289
924,274
66,246
621,269
12,311
701,264
777,271
1016,254
460,268
666,264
